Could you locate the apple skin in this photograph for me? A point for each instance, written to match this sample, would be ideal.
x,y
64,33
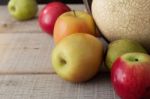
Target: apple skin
x,y
23,9
120,47
77,57
130,76
73,22
49,15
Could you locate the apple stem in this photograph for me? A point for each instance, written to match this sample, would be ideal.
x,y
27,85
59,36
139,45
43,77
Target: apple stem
x,y
74,12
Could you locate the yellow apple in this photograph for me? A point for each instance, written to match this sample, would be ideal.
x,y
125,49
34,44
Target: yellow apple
x,y
73,22
77,57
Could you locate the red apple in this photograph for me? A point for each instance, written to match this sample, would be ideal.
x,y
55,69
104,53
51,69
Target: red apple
x,y
130,76
49,15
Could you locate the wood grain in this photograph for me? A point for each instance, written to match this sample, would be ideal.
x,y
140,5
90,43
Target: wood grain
x,y
9,25
25,53
52,87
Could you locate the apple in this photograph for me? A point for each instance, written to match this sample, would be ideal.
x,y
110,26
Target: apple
x,y
73,22
77,57
120,47
130,76
23,9
49,15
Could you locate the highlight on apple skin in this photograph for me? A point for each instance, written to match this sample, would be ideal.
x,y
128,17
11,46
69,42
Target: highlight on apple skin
x,y
77,57
130,76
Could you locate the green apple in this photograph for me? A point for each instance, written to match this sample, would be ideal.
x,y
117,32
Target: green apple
x,y
120,47
23,9
77,57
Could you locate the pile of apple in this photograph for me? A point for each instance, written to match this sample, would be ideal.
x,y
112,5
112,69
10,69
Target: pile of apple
x,y
78,54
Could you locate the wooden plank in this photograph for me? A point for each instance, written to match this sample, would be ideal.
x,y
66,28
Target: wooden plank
x,y
10,25
25,53
52,87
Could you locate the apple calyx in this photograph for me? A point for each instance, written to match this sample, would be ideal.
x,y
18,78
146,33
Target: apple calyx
x,y
13,8
62,61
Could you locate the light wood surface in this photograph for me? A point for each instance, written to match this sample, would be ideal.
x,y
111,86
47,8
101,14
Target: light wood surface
x,y
25,65
52,87
25,53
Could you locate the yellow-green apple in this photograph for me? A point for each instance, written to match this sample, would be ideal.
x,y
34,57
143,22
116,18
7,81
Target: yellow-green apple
x,y
120,47
130,76
77,57
73,22
49,15
23,9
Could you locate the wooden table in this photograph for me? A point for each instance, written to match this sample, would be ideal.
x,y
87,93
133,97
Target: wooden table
x,y
25,67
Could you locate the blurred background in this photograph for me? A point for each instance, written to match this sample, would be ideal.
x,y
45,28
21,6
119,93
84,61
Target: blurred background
x,y
3,2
